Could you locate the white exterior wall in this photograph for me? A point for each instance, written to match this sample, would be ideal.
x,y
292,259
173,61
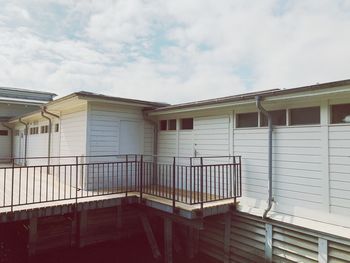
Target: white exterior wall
x,y
339,167
73,133
104,124
311,163
5,145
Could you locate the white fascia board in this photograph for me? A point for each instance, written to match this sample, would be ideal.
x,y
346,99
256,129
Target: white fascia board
x,y
281,98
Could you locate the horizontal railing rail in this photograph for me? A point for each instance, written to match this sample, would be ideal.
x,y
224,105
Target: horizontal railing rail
x,y
188,180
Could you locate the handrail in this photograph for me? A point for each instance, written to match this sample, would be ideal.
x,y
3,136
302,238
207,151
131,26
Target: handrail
x,y
180,183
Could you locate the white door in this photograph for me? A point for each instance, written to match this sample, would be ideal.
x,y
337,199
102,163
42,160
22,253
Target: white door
x,y
130,137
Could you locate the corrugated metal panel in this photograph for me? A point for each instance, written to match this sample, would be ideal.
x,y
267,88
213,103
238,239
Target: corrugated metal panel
x,y
247,240
338,253
293,246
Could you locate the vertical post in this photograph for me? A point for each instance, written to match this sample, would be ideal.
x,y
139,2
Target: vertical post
x,y
126,174
168,240
268,243
173,185
227,237
322,250
76,179
12,183
33,235
141,177
201,185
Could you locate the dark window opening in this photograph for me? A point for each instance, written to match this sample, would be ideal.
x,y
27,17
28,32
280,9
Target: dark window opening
x,y
44,129
340,113
172,125
187,124
278,118
57,127
34,130
163,125
305,116
4,132
245,120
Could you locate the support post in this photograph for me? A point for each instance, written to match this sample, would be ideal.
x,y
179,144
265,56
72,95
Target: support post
x,y
268,243
150,237
119,222
33,235
227,237
322,250
82,228
168,240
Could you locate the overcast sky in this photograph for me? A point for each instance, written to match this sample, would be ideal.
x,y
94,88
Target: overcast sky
x,y
172,51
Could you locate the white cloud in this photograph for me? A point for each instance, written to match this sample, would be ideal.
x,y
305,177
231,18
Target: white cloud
x,y
172,51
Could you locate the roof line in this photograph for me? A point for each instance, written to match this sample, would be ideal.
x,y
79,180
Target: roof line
x,y
28,91
252,95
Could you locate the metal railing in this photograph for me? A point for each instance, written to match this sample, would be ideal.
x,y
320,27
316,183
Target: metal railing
x,y
188,180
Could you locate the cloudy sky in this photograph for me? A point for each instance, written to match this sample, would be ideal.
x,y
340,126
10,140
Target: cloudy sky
x,y
172,51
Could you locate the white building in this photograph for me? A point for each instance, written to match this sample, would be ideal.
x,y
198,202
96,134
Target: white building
x,y
14,102
310,143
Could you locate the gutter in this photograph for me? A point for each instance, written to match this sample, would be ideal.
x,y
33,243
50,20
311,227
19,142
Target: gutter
x,y
43,110
269,120
11,131
26,139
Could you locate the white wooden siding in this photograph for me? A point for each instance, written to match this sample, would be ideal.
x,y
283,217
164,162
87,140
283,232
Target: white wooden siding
x,y
297,171
5,145
104,128
211,135
339,159
73,134
37,145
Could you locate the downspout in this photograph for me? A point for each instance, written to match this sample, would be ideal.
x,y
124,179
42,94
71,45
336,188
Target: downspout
x,y
44,110
25,139
49,137
270,128
11,131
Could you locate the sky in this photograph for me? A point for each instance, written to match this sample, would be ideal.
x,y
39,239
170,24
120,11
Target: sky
x,y
172,51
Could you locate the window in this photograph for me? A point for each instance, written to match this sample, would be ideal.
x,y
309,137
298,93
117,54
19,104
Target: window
x,y
163,125
34,130
4,132
340,113
57,127
245,120
304,116
16,132
44,129
278,118
187,124
172,125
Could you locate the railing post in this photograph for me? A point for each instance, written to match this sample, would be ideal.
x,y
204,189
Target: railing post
x,y
202,184
173,184
12,183
126,175
76,181
141,178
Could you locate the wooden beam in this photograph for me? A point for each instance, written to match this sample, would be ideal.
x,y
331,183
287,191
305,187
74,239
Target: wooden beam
x,y
150,237
168,240
33,235
227,237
